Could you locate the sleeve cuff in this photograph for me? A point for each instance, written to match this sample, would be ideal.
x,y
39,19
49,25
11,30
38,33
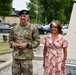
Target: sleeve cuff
x,y
29,45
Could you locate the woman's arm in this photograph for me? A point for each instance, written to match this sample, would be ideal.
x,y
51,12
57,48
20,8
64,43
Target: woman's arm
x,y
44,54
65,54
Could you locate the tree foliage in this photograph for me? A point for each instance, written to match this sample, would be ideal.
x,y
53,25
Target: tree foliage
x,y
35,10
5,8
49,10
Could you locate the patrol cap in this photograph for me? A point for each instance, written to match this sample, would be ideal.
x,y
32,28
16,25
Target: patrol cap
x,y
25,12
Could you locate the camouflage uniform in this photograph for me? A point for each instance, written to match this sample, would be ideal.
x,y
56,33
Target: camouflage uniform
x,y
23,58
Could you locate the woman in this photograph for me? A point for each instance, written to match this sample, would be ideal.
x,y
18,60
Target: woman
x,y
55,51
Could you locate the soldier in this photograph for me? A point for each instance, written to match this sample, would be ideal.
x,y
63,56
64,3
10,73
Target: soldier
x,y
23,38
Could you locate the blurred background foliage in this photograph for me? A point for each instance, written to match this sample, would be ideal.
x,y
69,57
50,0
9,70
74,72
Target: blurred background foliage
x,y
44,11
5,8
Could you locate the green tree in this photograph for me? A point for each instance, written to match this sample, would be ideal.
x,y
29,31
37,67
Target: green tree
x,y
5,8
35,10
49,10
57,9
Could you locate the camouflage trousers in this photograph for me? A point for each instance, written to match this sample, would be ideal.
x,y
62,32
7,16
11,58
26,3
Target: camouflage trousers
x,y
22,67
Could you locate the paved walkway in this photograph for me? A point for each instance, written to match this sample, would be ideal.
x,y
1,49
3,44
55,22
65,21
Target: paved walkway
x,y
5,68
37,66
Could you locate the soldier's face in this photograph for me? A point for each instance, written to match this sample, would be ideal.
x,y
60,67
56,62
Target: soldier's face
x,y
24,18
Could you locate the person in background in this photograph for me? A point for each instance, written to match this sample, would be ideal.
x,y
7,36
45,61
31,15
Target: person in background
x,y
23,38
55,51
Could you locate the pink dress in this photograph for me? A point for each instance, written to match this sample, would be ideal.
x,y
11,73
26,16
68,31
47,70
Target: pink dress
x,y
54,55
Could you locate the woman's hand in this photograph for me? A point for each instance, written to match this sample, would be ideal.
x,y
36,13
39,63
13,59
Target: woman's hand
x,y
63,66
44,65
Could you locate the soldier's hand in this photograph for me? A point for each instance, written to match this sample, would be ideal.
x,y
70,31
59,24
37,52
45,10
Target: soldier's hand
x,y
16,45
23,45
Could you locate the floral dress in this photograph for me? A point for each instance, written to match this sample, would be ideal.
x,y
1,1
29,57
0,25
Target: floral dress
x,y
54,55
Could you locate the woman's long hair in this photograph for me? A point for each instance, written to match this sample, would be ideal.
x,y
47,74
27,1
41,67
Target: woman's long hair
x,y
59,26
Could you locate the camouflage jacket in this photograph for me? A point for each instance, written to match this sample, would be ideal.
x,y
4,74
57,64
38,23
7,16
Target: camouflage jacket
x,y
24,34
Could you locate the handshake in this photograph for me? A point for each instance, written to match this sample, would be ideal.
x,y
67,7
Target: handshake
x,y
20,46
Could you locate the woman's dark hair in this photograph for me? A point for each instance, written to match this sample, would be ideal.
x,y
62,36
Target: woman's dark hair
x,y
59,26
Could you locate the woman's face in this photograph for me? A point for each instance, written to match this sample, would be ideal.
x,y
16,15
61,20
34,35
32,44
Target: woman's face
x,y
54,29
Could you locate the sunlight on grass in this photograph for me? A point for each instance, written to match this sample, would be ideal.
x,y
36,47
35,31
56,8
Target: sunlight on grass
x,y
41,40
1,38
4,47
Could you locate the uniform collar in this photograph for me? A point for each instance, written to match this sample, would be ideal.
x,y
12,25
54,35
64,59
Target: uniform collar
x,y
25,26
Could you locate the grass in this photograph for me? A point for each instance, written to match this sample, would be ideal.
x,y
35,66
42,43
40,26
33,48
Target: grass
x,y
41,40
4,47
1,38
